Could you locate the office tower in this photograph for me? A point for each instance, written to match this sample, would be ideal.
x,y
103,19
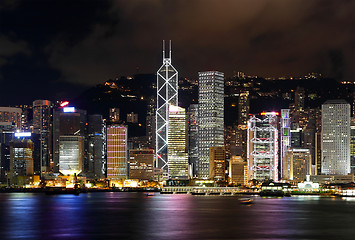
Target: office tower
x,y
68,121
132,117
243,109
300,164
352,146
299,99
167,94
238,170
193,137
21,159
217,163
318,153
116,152
240,142
71,156
262,147
26,118
114,115
285,136
96,164
42,125
150,122
336,137
141,164
296,137
211,117
177,143
7,130
11,115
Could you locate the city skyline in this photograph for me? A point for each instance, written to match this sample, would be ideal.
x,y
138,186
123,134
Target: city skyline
x,y
70,50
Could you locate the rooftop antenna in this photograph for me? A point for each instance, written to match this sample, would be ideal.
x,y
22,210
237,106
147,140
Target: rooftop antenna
x,y
170,49
163,49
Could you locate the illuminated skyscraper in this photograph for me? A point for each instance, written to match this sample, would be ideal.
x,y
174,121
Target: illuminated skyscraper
x,y
352,146
300,164
336,137
71,155
96,164
167,93
211,117
193,137
177,143
217,163
116,152
285,139
42,125
238,170
243,109
263,147
21,157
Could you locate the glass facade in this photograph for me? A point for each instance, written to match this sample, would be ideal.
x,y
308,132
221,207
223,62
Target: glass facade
x,y
211,117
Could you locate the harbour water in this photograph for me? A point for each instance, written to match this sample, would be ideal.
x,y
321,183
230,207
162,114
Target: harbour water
x,y
123,215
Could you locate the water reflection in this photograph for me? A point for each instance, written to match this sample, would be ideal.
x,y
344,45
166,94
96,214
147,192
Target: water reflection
x,y
135,216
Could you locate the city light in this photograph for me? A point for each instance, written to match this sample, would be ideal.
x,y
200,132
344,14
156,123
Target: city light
x,y
23,134
63,104
69,109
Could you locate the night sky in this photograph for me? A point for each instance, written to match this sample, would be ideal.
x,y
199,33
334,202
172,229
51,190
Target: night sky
x,y
56,49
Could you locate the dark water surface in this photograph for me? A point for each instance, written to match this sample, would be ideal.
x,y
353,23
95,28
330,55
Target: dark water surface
x,y
136,216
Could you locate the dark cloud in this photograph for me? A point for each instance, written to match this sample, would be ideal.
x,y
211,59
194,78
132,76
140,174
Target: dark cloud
x,y
87,42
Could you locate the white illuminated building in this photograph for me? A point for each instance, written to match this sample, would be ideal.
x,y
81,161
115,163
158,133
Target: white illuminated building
x,y
262,147
167,93
336,137
285,135
211,117
177,143
70,155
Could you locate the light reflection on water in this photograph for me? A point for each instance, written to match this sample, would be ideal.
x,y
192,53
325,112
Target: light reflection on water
x,y
136,216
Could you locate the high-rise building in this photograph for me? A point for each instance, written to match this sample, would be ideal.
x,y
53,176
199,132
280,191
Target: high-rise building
x,y
193,138
21,159
263,147
96,164
238,170
167,94
336,137
352,146
285,136
11,115
71,156
217,163
300,164
68,121
116,152
211,117
177,143
318,153
243,108
141,164
42,125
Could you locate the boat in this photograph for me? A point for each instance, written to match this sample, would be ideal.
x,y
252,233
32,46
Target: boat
x,y
246,200
149,194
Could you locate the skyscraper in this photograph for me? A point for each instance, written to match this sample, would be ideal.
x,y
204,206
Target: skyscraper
x,y
352,145
336,137
243,109
217,164
285,139
263,147
141,164
70,154
167,93
193,137
211,117
21,158
96,164
177,143
42,125
116,152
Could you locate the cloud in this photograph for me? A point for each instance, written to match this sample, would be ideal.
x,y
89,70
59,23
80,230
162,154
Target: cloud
x,y
9,48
